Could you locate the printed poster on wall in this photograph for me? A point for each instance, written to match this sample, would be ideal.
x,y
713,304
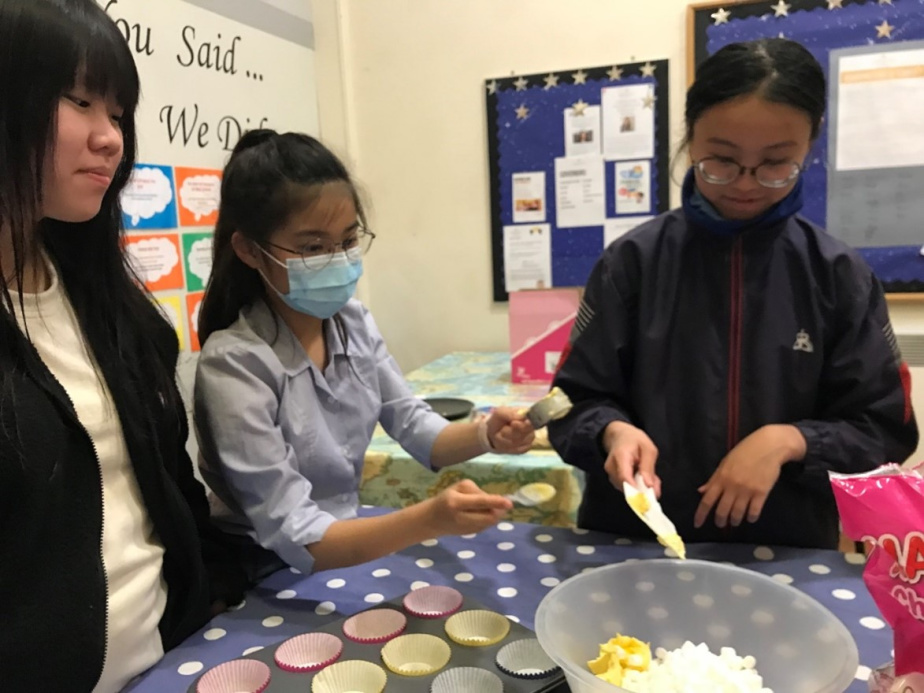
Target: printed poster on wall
x,y
628,122
633,187
199,193
197,257
212,70
580,191
528,197
582,130
528,257
156,260
148,201
870,136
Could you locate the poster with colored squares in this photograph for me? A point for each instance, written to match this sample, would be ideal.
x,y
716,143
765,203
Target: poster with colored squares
x,y
173,260
209,71
174,264
864,176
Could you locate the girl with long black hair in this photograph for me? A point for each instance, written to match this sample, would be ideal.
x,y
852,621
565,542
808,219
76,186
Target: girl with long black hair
x,y
104,531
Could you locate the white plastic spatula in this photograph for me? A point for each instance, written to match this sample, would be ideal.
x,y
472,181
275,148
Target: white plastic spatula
x,y
641,498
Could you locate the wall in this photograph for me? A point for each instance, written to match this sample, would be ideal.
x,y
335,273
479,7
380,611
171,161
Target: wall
x,y
415,130
416,84
209,69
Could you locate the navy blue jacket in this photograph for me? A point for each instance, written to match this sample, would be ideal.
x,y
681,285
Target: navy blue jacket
x,y
700,339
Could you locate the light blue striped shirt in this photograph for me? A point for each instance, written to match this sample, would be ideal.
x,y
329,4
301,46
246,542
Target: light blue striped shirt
x,y
282,442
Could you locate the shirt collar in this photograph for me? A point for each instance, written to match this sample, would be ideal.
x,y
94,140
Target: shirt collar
x,y
267,325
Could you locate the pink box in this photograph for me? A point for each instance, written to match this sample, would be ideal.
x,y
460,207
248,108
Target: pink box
x,y
540,324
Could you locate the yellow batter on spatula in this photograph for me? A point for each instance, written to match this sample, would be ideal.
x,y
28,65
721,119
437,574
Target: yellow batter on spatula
x,y
641,499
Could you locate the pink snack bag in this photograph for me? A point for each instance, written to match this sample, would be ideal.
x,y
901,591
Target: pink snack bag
x,y
885,510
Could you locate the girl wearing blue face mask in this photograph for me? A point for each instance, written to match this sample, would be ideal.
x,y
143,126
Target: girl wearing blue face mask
x,y
294,375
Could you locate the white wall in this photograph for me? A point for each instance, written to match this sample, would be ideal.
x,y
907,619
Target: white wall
x,y
417,101
402,97
332,73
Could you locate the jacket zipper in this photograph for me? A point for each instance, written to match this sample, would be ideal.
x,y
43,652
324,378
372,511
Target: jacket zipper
x,y
102,561
734,342
102,502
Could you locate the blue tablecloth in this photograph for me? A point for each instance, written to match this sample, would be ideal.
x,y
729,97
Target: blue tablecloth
x,y
509,568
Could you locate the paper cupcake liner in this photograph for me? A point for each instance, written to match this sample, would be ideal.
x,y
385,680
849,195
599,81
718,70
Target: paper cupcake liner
x,y
350,676
435,601
467,680
236,676
309,652
477,628
525,659
375,626
416,655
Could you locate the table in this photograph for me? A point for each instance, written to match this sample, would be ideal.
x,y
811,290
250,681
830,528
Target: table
x,y
509,568
392,478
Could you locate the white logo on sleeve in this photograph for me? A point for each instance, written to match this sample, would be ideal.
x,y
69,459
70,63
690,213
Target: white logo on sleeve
x,y
803,342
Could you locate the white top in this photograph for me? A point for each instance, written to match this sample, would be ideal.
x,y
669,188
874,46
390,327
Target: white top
x,y
132,555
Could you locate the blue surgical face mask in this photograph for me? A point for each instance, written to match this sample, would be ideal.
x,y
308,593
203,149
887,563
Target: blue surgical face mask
x,y
320,286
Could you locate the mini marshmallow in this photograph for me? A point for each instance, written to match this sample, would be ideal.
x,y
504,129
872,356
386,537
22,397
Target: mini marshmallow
x,y
694,669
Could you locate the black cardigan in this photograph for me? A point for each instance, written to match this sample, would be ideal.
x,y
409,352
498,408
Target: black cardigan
x,y
52,580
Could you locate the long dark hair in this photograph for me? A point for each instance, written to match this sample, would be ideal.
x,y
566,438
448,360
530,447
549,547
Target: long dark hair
x,y
264,182
48,46
778,70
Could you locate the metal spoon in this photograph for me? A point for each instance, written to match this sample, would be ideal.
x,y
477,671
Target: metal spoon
x,y
553,406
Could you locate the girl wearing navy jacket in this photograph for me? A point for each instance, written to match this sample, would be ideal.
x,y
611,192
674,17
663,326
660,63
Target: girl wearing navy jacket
x,y
731,351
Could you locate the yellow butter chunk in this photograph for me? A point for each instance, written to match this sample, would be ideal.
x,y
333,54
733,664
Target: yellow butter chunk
x,y
613,676
639,503
635,653
600,664
618,654
673,541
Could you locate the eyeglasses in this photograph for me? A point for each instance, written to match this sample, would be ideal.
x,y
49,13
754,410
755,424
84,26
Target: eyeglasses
x,y
321,246
770,174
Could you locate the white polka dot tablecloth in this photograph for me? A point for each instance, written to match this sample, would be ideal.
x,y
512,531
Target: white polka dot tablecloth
x,y
509,568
